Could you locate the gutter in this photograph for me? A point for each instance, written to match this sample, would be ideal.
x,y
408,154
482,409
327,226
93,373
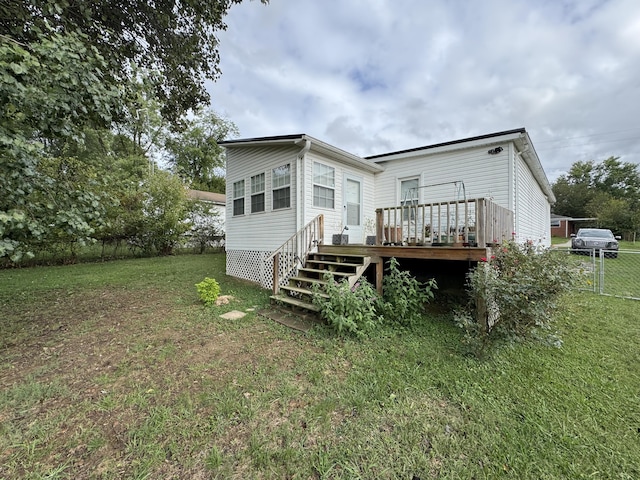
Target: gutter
x,y
300,204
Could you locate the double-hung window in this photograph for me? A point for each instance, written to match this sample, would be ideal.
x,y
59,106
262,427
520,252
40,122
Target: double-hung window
x,y
238,197
281,186
257,193
324,184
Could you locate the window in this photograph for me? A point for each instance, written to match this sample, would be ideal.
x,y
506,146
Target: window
x,y
323,185
408,196
281,186
238,198
257,193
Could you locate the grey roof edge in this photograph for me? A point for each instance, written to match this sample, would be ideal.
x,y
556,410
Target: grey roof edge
x,y
450,143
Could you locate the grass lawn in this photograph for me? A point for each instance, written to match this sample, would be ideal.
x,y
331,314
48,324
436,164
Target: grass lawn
x,y
114,370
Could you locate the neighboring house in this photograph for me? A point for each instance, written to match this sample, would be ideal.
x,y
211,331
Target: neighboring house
x,y
564,227
209,223
276,185
216,201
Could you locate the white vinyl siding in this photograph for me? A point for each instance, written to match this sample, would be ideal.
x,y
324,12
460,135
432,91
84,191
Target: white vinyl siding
x,y
260,232
484,176
532,213
324,182
333,221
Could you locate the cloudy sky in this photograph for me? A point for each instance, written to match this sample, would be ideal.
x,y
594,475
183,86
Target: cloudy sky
x,y
374,76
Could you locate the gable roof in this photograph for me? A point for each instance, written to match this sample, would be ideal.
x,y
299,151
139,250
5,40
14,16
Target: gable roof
x,y
518,136
314,144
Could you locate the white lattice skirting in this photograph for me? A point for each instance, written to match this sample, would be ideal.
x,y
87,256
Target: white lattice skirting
x,y
250,265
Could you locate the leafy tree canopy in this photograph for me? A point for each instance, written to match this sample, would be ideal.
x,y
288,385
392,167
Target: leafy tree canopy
x,y
176,38
194,153
607,190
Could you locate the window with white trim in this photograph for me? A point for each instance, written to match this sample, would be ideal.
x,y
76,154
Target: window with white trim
x,y
238,198
409,196
281,187
257,193
324,184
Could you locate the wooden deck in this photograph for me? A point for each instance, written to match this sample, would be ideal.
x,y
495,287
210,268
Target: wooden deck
x,y
380,253
473,254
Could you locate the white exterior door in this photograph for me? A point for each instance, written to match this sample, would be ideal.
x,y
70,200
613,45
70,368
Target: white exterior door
x,y
352,208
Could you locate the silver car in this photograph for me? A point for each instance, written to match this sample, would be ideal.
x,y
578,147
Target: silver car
x,y
589,241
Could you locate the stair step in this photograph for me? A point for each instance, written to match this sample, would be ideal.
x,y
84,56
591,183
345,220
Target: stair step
x,y
329,262
336,256
319,281
320,270
302,291
294,302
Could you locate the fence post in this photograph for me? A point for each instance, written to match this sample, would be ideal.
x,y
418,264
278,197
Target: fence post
x,y
601,279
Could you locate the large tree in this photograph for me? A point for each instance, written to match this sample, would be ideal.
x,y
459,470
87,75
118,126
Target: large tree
x,y
176,38
49,90
607,190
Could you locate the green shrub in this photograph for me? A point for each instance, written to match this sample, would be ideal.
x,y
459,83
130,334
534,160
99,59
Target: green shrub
x,y
348,310
208,289
513,294
404,297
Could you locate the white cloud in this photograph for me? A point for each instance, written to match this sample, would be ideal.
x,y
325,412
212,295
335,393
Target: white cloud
x,y
382,75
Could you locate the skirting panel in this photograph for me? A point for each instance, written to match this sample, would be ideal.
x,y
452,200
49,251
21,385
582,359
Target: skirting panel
x,y
250,265
253,266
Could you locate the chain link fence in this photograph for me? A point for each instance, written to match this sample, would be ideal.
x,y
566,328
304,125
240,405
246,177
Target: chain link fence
x,y
608,272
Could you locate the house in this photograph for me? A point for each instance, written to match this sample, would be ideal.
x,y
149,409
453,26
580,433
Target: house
x,y
208,222
564,227
278,185
215,201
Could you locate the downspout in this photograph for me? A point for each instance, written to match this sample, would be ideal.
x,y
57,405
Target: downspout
x,y
300,203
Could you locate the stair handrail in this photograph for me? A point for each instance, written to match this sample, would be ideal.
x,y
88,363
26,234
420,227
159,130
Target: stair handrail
x,y
297,248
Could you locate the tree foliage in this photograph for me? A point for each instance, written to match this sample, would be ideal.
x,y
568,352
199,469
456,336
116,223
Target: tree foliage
x,y
194,153
49,90
176,38
608,191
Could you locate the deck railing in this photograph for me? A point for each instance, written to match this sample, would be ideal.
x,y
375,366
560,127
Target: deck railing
x,y
293,253
475,222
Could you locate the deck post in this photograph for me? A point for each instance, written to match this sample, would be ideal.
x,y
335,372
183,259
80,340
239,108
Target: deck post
x,y
379,275
320,229
481,237
276,273
379,226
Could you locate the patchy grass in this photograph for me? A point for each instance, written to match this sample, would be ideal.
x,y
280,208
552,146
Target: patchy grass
x,y
116,370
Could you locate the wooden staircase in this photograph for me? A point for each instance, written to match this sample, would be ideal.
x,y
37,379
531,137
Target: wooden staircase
x,y
342,267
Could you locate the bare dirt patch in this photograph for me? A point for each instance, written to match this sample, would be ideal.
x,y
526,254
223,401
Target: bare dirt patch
x,y
99,381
